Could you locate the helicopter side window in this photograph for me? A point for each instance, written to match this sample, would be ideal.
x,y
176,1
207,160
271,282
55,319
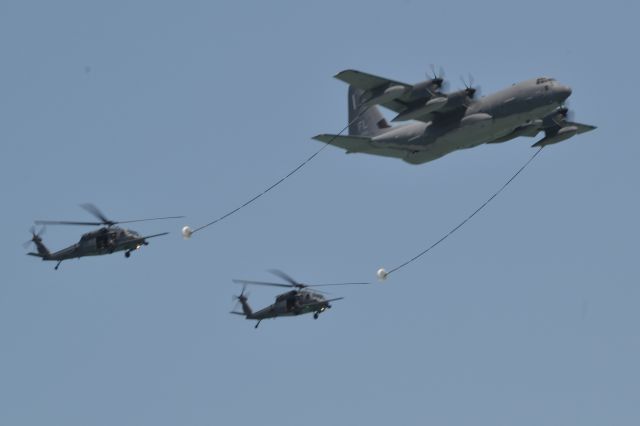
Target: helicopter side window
x,y
290,303
102,241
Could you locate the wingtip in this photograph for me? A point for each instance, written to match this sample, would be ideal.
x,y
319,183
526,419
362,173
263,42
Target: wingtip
x,y
321,137
342,72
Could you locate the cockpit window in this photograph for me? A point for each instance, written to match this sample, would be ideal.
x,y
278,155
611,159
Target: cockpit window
x,y
543,80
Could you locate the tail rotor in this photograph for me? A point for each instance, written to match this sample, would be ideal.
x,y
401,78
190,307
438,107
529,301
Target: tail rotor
x,y
241,302
36,237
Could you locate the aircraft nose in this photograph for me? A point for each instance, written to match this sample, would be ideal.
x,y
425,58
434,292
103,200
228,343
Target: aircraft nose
x,y
564,92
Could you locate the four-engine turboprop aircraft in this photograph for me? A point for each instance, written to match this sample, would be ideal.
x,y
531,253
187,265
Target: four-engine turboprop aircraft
x,y
446,122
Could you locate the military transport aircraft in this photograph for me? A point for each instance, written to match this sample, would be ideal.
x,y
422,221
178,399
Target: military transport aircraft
x,y
446,122
106,240
300,300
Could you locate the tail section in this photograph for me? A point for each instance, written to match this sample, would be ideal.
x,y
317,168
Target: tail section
x,y
245,305
246,309
36,239
365,121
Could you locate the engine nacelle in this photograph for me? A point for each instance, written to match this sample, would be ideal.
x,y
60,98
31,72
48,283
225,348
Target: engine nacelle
x,y
389,94
476,118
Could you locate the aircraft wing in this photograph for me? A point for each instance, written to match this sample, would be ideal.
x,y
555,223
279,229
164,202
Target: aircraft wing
x,y
532,131
557,128
370,82
582,128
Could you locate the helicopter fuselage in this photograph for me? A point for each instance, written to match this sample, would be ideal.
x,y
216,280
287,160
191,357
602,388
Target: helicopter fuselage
x,y
102,241
293,303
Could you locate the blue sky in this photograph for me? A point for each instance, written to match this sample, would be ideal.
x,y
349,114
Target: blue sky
x,y
526,316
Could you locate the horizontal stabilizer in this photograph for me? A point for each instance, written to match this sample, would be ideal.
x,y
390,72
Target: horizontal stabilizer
x,y
365,81
350,143
360,144
237,313
35,254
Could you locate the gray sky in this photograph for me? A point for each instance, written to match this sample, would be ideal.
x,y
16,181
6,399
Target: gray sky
x,y
527,316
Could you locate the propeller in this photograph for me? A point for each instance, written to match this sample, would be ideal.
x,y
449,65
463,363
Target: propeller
x,y
99,215
566,112
36,237
469,88
437,77
560,116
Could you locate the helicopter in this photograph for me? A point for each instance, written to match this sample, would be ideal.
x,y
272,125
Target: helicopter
x,y
106,240
300,300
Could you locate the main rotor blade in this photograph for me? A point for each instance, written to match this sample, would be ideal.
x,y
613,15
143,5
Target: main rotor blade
x,y
286,277
325,285
96,212
146,220
262,283
64,222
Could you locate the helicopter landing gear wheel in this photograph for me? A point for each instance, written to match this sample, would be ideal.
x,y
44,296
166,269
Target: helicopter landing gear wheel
x,y
316,315
127,254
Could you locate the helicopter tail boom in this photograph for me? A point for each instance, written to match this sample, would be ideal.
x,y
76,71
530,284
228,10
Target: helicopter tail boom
x,y
248,312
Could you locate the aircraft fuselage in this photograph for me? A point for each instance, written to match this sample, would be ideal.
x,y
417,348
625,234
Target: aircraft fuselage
x,y
488,119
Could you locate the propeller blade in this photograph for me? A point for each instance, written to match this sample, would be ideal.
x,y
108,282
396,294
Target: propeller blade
x,y
262,283
567,113
433,72
436,75
286,277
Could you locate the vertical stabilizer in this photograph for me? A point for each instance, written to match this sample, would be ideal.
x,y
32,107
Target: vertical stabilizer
x,y
245,305
36,239
368,120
